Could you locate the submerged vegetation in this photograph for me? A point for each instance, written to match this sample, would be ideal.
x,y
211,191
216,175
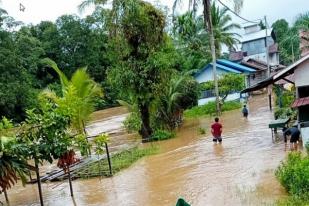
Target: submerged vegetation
x,y
119,161
210,109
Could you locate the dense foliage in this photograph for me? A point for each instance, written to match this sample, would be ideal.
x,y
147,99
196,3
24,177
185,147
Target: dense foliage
x,y
293,175
288,37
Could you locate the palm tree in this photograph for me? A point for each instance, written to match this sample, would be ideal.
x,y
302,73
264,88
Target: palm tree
x,y
78,93
222,27
12,167
209,27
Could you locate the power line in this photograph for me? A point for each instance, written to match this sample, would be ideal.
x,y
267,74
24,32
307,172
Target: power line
x,y
231,10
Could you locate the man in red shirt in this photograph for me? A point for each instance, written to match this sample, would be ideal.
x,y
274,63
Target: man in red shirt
x,y
216,130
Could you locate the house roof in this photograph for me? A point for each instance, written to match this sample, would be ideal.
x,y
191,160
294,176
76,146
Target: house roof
x,y
276,77
236,66
300,102
255,35
218,66
290,69
254,66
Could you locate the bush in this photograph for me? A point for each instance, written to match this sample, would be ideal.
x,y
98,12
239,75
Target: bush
x,y
281,113
133,122
210,109
294,175
162,135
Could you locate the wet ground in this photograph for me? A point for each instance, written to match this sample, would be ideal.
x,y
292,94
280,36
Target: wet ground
x,y
238,172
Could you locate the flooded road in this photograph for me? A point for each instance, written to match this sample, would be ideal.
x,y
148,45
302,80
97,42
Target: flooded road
x,y
238,172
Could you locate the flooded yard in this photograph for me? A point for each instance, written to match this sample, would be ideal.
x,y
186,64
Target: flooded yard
x,y
238,172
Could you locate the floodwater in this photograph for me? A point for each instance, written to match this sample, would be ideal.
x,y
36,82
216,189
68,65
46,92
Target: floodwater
x,y
240,171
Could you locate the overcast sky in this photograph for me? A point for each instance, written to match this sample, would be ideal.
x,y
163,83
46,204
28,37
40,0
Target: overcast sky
x,y
38,10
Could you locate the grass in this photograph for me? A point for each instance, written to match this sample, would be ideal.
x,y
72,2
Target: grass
x,y
119,162
210,109
293,201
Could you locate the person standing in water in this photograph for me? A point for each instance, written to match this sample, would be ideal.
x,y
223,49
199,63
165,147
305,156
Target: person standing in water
x,y
245,111
216,130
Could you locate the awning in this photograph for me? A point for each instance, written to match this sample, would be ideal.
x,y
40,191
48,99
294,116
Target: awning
x,y
300,102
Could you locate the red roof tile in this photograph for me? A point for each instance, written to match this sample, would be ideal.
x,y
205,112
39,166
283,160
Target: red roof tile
x,y
300,102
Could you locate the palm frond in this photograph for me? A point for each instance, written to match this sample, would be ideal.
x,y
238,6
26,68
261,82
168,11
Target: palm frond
x,y
63,79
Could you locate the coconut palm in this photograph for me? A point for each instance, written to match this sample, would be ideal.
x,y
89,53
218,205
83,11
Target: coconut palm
x,y
78,93
222,28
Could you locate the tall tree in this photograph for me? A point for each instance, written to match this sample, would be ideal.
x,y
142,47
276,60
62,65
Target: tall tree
x,y
223,27
137,68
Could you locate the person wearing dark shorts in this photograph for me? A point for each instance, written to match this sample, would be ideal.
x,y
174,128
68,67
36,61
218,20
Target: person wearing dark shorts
x,y
245,111
216,130
294,134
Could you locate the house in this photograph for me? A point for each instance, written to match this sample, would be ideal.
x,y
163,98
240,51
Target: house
x,y
299,72
261,72
223,67
253,45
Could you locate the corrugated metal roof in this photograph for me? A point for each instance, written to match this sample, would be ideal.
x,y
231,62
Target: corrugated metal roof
x,y
300,102
218,65
239,67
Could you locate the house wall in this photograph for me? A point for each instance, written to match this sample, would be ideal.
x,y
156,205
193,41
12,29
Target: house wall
x,y
256,46
230,97
257,77
207,75
301,74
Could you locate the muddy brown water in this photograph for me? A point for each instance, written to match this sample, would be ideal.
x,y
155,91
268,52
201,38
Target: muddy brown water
x,y
238,172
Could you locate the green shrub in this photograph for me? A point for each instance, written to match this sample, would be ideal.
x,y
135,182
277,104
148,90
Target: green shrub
x,y
293,174
133,122
162,135
210,109
281,113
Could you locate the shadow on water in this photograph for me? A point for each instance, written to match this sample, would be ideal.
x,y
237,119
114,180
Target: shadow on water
x,y
240,171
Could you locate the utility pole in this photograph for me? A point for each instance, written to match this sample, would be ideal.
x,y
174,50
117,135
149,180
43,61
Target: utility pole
x,y
269,88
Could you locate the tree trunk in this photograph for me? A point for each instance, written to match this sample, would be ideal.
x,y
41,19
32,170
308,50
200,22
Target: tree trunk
x,y
38,179
85,133
208,27
6,197
70,180
145,130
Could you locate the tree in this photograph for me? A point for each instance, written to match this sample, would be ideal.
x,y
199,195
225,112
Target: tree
x,y
17,92
136,71
226,84
288,37
191,40
222,27
181,92
44,135
78,93
12,165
